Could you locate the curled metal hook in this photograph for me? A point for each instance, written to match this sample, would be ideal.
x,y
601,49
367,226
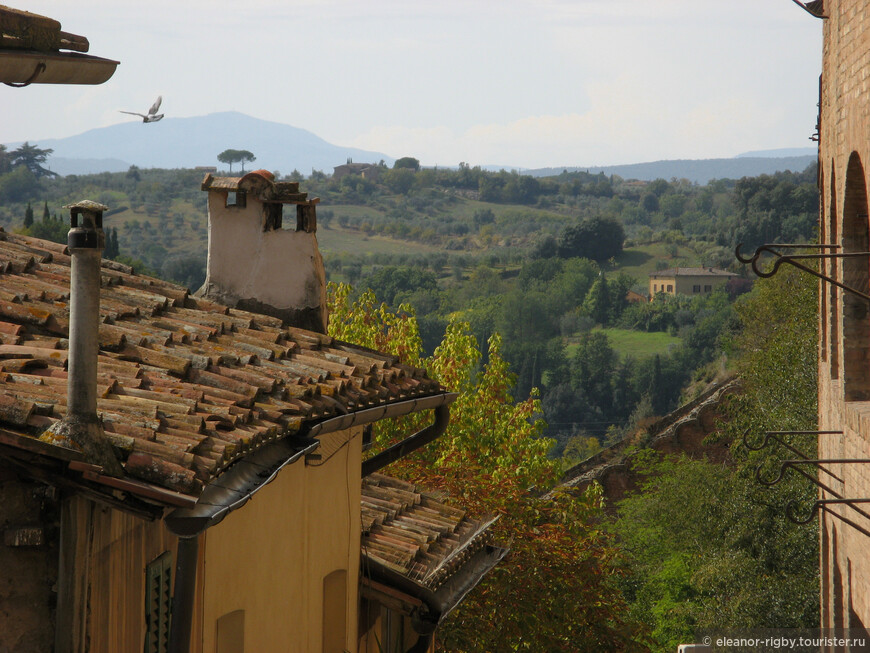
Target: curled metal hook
x,y
774,481
745,261
822,504
749,446
774,436
790,512
794,260
40,68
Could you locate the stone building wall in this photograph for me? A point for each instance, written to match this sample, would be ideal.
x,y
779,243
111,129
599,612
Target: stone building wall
x,y
844,328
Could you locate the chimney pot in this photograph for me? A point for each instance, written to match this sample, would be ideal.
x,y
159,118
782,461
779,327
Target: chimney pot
x,y
81,427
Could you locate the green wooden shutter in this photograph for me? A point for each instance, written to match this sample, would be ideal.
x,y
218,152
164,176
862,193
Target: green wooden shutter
x,y
158,603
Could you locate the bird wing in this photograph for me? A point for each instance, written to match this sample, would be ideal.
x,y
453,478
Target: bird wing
x,y
133,113
156,106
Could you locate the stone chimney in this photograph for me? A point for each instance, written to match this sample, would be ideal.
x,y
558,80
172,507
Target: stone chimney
x,y
255,262
81,428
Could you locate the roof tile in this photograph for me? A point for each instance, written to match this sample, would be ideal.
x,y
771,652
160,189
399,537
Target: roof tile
x,y
186,385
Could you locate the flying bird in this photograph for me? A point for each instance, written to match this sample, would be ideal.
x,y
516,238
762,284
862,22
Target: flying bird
x,y
152,115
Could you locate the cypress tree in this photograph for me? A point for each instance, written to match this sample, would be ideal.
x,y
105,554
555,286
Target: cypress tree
x,y
28,216
111,250
46,216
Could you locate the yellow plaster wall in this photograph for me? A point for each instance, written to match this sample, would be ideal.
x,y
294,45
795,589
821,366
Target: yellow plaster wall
x,y
270,557
683,284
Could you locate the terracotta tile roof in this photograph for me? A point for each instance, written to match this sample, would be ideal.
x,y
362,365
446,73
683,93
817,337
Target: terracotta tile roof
x,y
261,184
415,535
186,386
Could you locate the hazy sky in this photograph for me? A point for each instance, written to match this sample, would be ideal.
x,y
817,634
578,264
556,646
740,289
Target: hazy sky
x,y
527,83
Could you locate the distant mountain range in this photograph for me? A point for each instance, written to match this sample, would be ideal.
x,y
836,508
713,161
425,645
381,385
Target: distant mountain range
x,y
191,142
749,164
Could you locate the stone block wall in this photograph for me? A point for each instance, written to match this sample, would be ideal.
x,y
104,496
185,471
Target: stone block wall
x,y
844,327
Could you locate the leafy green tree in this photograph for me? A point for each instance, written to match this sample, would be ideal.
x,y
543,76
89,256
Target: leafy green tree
x,y
32,158
112,249
390,281
186,270
597,238
553,593
407,162
704,544
398,180
704,550
598,302
482,217
5,160
18,185
52,229
236,156
595,362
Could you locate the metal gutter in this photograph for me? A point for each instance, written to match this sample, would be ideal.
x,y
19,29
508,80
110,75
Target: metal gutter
x,y
439,603
411,443
233,488
183,594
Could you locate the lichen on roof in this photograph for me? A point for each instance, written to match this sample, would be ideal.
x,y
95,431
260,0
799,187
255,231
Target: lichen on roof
x,y
185,386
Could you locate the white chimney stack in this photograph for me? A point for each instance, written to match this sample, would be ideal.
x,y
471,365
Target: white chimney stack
x,y
256,264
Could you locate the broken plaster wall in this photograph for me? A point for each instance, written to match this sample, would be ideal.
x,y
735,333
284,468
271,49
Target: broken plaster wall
x,y
278,272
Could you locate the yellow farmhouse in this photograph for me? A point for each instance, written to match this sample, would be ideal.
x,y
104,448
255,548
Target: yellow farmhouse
x,y
687,281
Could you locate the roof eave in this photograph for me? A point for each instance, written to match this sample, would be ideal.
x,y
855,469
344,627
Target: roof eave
x,y
24,67
233,488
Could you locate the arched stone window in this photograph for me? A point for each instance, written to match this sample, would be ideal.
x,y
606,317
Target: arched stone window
x,y
856,274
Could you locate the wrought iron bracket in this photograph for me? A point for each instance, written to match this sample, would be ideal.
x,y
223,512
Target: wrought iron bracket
x,y
822,504
773,436
796,465
795,261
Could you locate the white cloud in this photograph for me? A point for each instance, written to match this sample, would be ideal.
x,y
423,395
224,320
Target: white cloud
x,y
527,83
626,123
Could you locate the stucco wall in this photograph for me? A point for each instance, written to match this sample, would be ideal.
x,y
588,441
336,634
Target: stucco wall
x,y
271,557
279,268
684,284
268,558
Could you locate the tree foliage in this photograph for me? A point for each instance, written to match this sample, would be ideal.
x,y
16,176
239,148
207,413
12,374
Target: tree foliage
x,y
236,156
408,162
597,238
553,592
706,545
32,158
